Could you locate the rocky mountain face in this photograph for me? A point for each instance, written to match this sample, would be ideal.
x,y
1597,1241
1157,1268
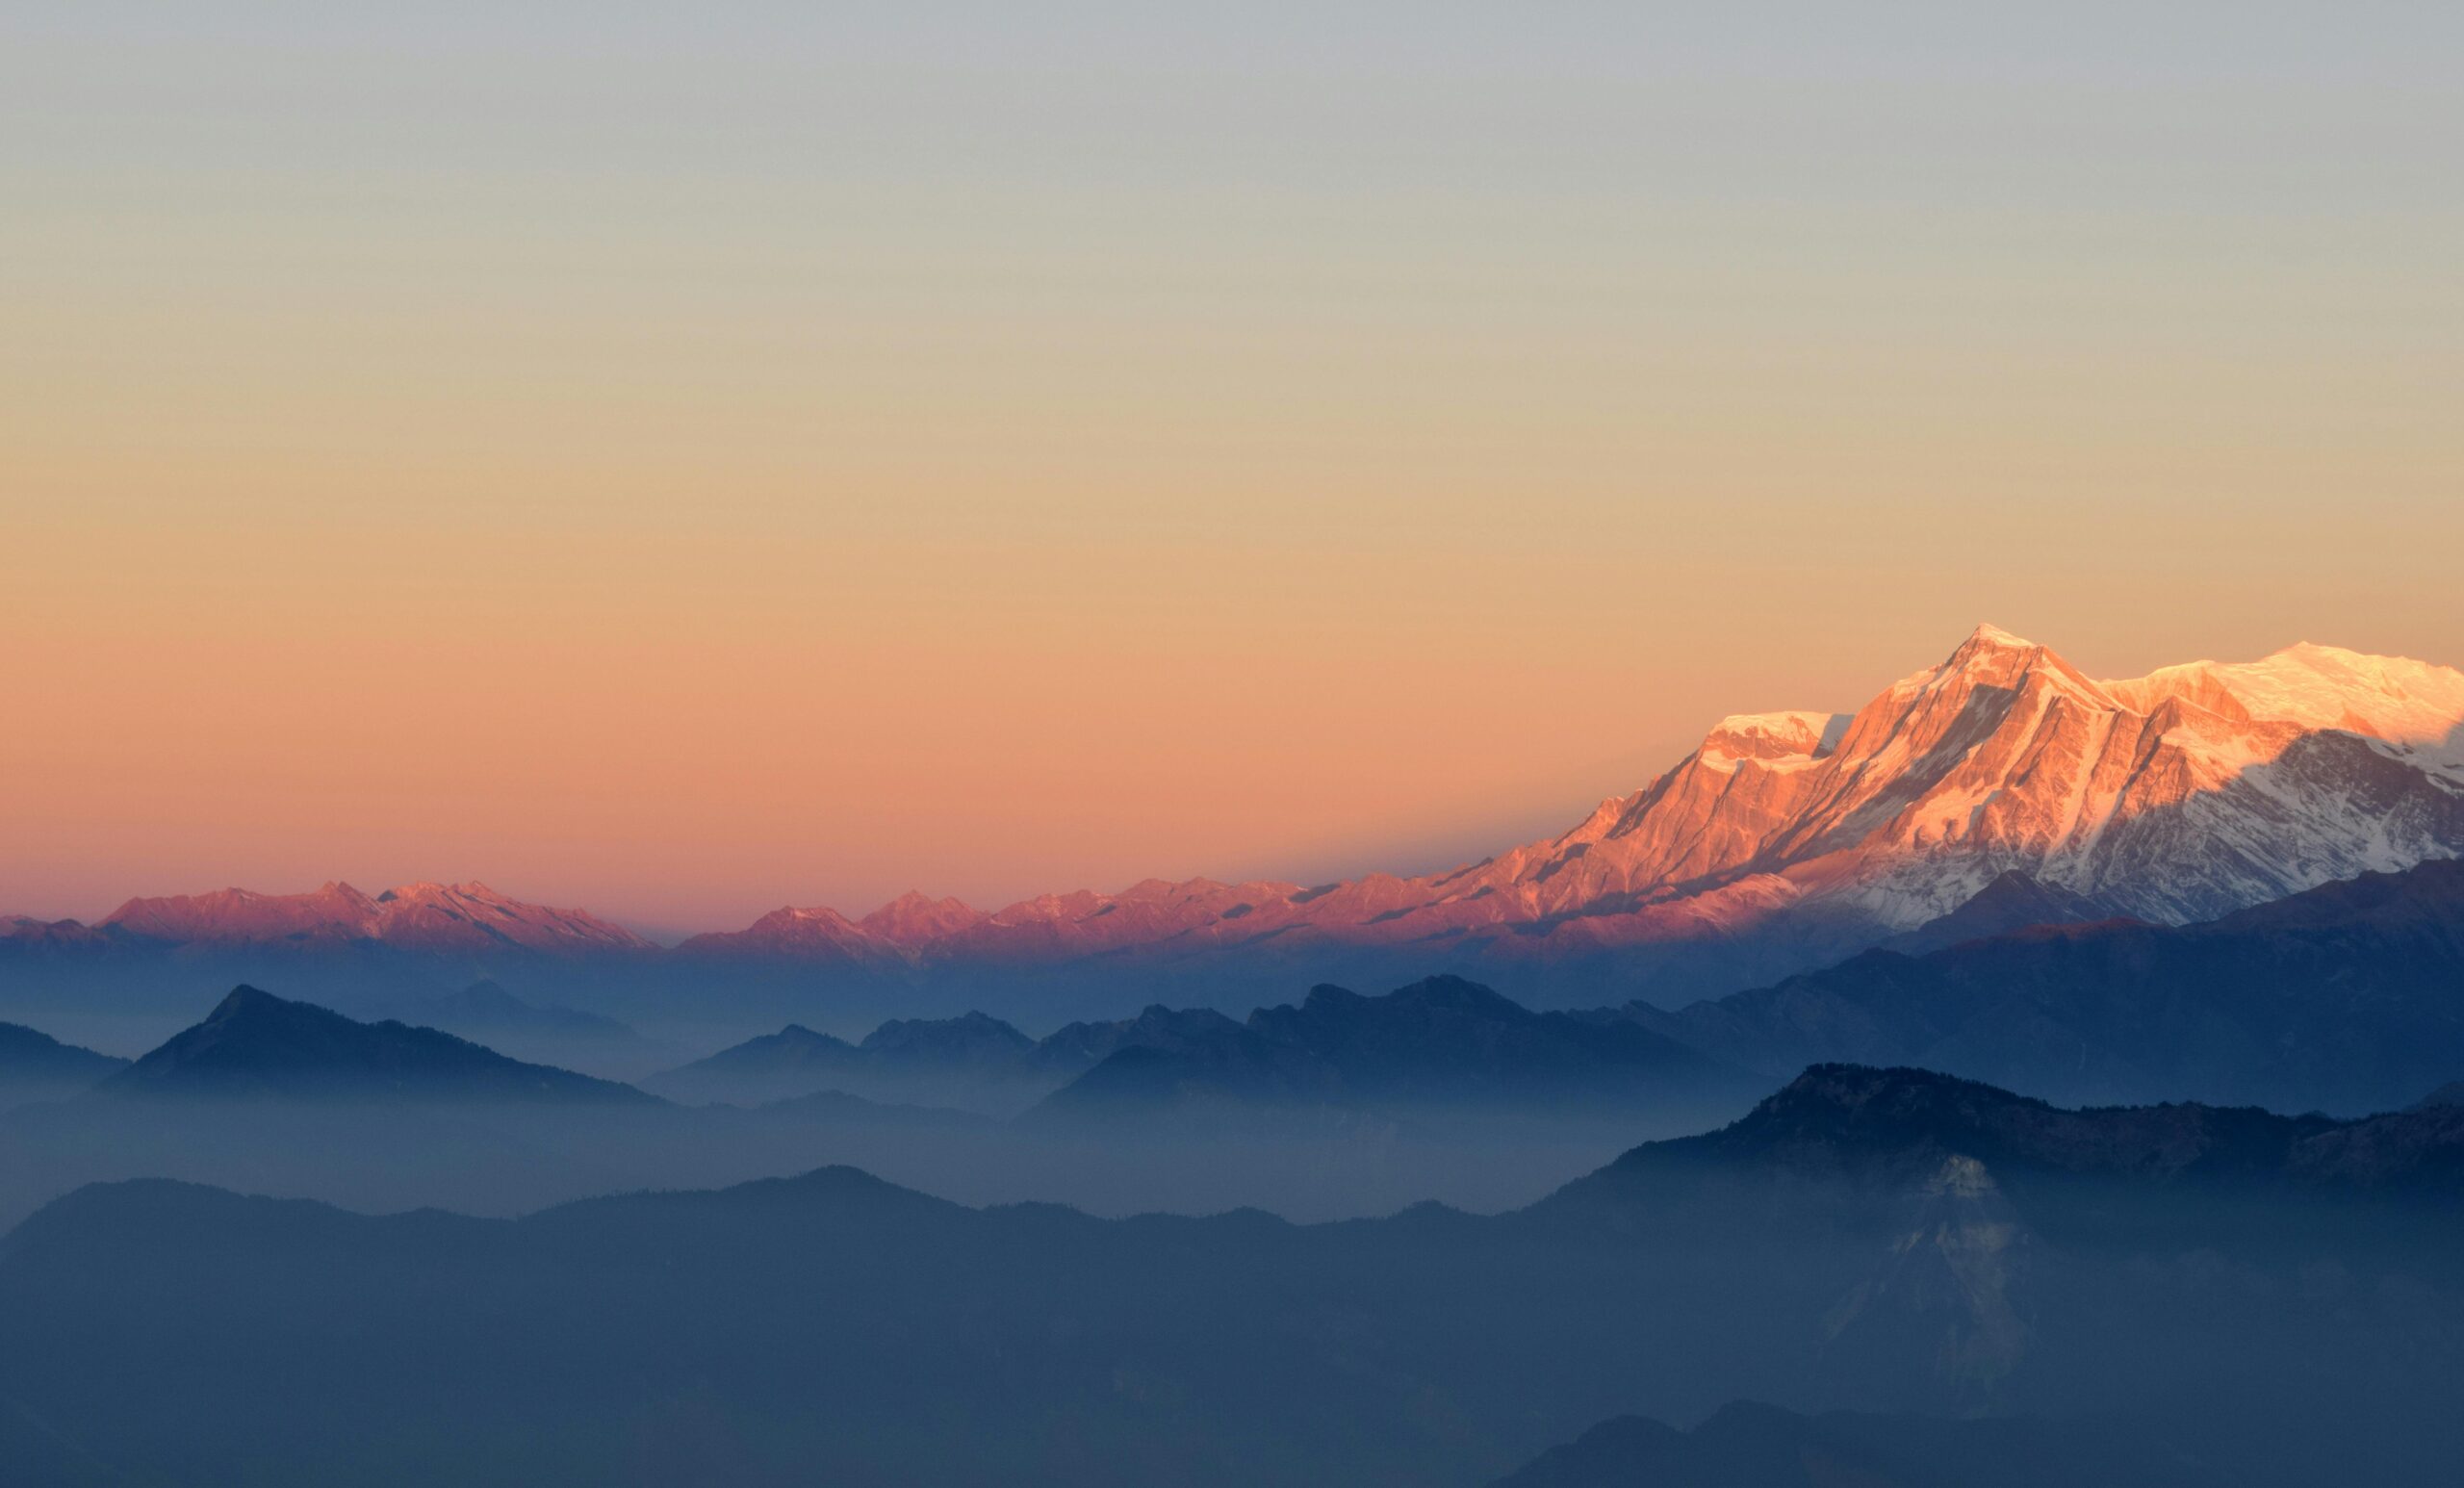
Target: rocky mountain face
x,y
2176,796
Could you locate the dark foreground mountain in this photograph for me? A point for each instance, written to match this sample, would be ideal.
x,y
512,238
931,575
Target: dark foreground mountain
x,y
2347,997
34,1066
256,1045
1877,1240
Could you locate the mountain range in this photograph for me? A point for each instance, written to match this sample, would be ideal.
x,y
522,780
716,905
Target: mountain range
x,y
2341,998
2344,997
1783,841
441,917
1440,1042
1443,1042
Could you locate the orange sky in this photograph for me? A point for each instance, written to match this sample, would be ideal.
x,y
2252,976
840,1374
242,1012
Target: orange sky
x,y
890,463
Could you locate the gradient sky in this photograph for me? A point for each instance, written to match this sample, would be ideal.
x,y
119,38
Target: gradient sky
x,y
685,465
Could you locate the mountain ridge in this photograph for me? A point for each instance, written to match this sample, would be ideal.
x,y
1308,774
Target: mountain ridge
x,y
1783,841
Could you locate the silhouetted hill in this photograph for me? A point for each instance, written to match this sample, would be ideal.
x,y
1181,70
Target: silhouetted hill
x,y
2347,997
257,1046
1442,1041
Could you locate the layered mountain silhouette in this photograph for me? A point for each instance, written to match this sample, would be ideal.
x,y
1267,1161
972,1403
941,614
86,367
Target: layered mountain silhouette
x,y
1999,787
2341,998
1442,1042
2284,1294
2347,997
255,1046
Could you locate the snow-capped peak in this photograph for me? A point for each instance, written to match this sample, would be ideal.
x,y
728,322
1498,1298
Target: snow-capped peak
x,y
1993,637
2391,698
